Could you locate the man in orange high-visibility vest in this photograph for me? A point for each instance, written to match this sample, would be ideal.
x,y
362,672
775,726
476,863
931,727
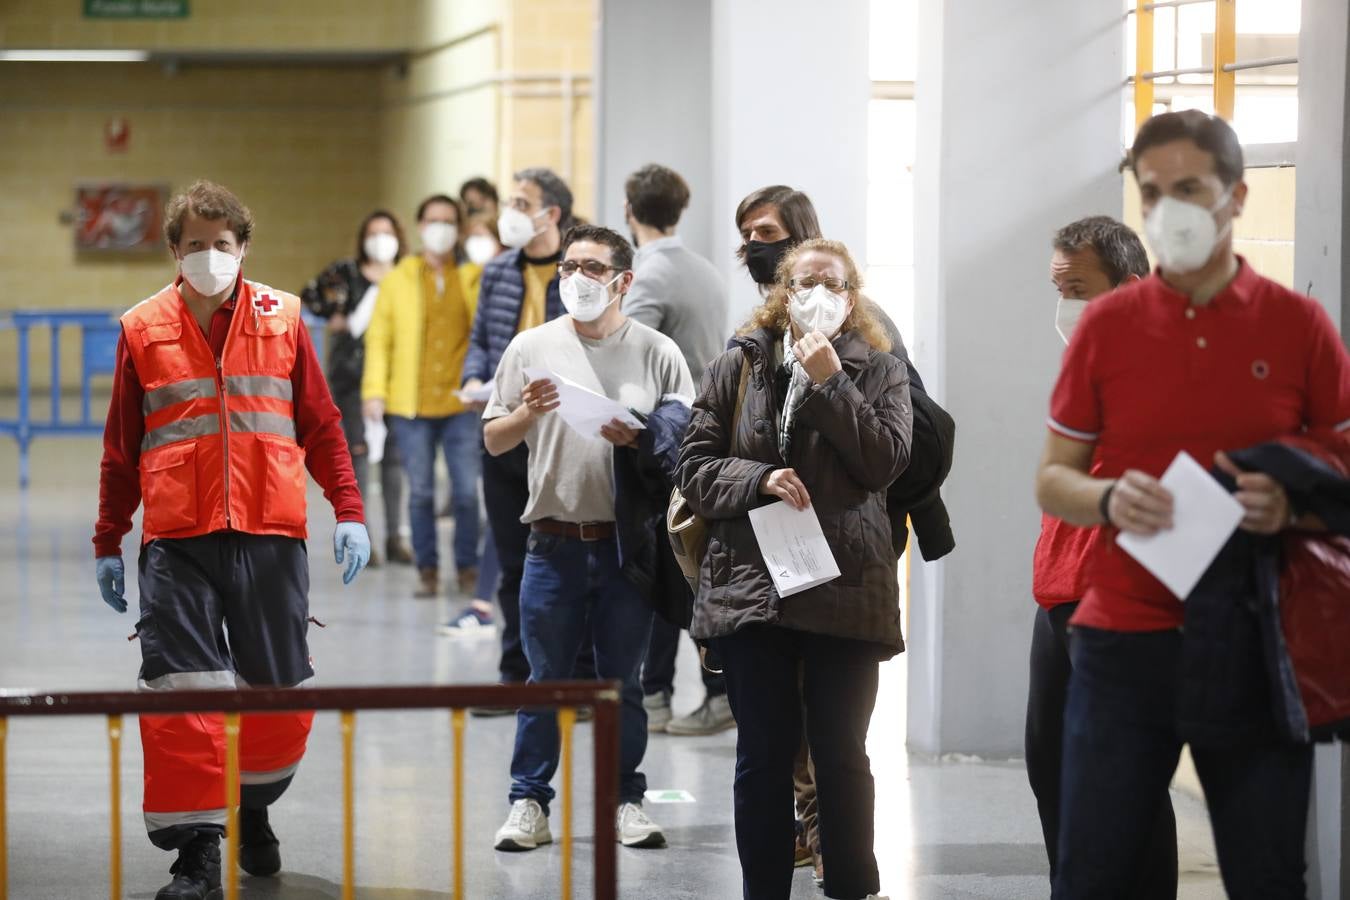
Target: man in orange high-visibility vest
x,y
219,406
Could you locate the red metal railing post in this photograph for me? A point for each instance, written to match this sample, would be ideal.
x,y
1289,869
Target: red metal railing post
x,y
606,728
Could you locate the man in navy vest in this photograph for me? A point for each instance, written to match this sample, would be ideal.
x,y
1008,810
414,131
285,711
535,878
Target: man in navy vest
x,y
518,291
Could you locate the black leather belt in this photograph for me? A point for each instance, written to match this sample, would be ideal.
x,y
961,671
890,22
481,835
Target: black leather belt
x,y
585,531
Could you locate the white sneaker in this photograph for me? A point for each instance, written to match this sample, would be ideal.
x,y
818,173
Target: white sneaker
x,y
526,827
635,829
658,711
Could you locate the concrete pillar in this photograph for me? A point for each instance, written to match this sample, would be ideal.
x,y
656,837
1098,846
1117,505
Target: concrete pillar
x,y
790,93
1019,133
736,95
654,69
1321,248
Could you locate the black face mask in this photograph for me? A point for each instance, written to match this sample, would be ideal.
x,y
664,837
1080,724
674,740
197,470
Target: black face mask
x,y
762,259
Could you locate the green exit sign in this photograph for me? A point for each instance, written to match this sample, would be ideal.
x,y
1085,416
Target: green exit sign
x,y
135,9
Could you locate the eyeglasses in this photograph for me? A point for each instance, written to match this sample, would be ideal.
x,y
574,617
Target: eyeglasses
x,y
592,268
833,285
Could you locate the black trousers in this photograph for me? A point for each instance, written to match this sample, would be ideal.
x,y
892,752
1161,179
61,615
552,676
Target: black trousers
x,y
1156,873
658,671
837,694
506,491
1121,746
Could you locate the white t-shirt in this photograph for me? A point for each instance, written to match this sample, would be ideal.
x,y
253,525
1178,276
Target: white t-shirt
x,y
572,476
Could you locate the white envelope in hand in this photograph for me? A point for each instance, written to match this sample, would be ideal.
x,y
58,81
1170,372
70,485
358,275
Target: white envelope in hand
x,y
376,434
1204,517
582,408
480,394
795,550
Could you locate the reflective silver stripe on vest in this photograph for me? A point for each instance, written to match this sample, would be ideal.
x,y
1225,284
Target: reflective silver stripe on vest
x,y
157,821
259,386
178,392
265,423
189,681
181,430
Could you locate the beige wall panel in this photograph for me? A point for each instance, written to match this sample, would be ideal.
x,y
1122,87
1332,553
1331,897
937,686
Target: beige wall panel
x,y
301,149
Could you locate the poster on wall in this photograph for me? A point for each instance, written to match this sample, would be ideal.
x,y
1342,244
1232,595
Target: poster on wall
x,y
119,218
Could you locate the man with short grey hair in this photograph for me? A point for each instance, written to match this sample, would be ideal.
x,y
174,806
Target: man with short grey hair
x,y
518,292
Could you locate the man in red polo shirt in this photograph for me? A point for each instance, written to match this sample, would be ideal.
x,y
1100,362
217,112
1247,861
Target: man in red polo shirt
x,y
1091,257
1203,356
219,405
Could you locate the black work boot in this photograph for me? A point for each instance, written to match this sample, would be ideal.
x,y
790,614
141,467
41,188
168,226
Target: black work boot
x,y
259,849
196,872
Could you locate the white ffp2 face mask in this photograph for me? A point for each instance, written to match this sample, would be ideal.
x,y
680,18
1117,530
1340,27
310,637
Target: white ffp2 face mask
x,y
480,249
586,299
381,247
818,309
1067,313
439,237
1183,235
516,228
210,272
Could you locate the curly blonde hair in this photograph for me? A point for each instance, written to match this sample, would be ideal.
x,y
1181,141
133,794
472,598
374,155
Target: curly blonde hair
x,y
773,314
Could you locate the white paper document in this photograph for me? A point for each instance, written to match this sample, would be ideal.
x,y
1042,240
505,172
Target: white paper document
x,y
1204,517
480,394
582,408
794,547
376,434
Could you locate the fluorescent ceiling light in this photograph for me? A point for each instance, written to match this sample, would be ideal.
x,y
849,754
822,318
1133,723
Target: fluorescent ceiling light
x,y
74,55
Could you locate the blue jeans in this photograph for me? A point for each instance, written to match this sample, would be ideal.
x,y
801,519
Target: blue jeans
x,y
1121,747
458,438
571,587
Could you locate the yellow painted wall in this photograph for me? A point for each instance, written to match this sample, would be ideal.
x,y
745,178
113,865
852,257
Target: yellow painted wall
x,y
446,120
549,37
309,149
438,119
299,146
220,25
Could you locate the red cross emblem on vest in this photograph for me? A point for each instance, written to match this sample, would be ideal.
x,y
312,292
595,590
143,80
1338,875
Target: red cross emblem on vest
x,y
265,304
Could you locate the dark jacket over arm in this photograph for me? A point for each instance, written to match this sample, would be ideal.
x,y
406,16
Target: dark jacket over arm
x,y
643,478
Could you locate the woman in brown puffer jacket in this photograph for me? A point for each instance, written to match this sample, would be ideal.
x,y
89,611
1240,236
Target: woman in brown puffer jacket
x,y
825,422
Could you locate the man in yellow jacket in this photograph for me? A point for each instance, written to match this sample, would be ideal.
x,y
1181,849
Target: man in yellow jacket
x,y
415,348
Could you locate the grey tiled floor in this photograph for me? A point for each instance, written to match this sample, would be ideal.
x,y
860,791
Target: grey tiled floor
x,y
944,828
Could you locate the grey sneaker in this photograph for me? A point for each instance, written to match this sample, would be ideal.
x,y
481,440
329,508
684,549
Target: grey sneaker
x,y
635,829
658,711
526,827
710,718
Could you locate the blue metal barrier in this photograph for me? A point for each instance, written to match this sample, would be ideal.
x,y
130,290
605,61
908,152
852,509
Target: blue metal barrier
x,y
99,330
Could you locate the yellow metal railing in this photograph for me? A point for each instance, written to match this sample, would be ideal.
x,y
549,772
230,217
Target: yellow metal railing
x,y
602,697
1225,64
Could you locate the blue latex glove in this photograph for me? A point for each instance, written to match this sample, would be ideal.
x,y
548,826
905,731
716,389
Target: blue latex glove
x,y
351,542
111,579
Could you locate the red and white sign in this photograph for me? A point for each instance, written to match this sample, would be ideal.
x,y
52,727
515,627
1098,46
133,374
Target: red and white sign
x,y
116,135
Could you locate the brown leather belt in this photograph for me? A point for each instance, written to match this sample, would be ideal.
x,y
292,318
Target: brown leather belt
x,y
586,531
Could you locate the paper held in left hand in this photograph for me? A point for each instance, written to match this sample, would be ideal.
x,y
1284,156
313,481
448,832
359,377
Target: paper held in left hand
x,y
376,435
583,409
1204,517
794,547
